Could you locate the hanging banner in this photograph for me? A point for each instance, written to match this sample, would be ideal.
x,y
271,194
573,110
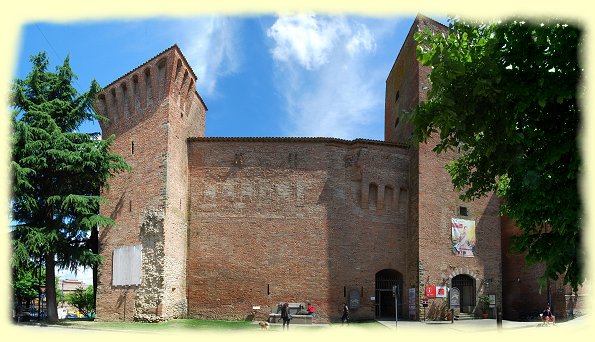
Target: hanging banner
x,y
463,237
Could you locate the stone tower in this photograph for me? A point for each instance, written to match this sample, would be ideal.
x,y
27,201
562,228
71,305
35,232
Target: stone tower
x,y
152,110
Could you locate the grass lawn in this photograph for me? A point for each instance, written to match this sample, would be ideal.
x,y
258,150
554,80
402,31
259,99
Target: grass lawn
x,y
186,325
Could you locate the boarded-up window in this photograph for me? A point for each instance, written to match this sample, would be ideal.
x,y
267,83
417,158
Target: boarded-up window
x,y
126,265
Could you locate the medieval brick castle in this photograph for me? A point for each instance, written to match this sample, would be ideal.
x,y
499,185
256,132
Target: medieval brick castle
x,y
227,228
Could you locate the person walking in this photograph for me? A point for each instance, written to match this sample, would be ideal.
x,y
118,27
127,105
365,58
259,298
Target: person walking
x,y
345,316
285,315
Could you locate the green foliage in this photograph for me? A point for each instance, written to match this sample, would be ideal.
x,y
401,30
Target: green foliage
x,y
484,301
506,96
56,171
83,300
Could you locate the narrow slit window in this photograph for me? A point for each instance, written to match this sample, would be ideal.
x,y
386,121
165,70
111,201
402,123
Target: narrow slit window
x,y
397,96
132,147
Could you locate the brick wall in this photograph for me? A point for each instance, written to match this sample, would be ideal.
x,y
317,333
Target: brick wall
x,y
291,220
151,111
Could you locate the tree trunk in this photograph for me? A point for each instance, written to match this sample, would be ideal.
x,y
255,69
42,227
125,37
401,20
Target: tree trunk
x,y
50,288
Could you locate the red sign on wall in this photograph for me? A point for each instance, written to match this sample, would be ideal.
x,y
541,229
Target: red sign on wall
x,y
431,291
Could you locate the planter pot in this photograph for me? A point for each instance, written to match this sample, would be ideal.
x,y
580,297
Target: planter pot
x,y
484,315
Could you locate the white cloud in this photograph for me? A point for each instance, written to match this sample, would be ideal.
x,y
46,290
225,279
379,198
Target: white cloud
x,y
361,40
326,75
210,46
310,40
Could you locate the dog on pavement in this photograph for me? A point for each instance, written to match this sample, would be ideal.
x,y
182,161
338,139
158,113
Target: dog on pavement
x,y
264,325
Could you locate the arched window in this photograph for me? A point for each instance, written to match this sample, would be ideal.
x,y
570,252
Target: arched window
x,y
136,94
388,197
148,87
161,78
125,108
372,196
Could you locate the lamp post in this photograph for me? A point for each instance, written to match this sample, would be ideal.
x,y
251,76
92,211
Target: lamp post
x,y
39,292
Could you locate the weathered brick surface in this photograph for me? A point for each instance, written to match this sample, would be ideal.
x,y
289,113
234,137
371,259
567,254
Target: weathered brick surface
x,y
274,221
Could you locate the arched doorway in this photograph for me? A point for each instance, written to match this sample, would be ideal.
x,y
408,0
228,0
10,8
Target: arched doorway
x,y
385,302
466,286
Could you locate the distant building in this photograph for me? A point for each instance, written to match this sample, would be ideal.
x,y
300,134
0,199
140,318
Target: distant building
x,y
227,228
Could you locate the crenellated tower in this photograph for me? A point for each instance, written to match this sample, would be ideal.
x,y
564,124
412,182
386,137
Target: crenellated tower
x,y
151,110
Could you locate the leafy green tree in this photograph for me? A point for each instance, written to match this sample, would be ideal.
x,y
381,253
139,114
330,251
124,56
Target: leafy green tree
x,y
506,95
83,300
27,277
56,171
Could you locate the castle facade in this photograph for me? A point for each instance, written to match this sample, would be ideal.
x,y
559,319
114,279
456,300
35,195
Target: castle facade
x,y
228,228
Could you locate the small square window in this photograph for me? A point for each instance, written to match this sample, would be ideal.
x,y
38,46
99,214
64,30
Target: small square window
x,y
463,211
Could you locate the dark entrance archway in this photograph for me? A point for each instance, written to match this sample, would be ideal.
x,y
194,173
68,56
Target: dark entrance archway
x,y
466,286
385,302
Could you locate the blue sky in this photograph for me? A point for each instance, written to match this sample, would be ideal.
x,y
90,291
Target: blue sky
x,y
306,75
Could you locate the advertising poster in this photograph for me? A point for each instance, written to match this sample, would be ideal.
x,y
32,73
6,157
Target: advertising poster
x,y
441,292
463,237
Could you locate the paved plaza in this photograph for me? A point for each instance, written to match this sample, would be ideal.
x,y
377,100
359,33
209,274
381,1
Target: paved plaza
x,y
579,324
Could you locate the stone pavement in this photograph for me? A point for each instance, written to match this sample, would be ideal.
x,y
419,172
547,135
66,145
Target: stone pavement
x,y
577,325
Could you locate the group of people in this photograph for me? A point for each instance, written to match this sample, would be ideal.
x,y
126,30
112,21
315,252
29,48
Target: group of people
x,y
286,315
547,316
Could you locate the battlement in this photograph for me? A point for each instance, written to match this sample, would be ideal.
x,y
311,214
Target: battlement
x,y
138,94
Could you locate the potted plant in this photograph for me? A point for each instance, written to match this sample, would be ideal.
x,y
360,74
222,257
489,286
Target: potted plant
x,y
484,302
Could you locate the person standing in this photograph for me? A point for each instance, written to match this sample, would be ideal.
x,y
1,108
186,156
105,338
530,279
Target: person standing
x,y
285,315
345,316
311,310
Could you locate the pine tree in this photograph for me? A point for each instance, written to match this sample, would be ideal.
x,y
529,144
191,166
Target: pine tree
x,y
57,172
